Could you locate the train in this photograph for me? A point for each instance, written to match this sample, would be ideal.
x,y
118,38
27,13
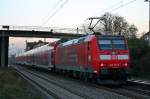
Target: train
x,y
104,58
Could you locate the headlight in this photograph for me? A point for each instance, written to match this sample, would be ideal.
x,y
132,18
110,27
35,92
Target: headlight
x,y
105,57
123,57
89,58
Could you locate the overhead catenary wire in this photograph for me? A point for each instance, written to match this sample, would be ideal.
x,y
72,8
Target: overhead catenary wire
x,y
118,5
121,4
55,12
114,5
106,9
53,8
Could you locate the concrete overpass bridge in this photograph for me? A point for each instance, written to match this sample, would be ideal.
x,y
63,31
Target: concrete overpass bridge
x,y
31,31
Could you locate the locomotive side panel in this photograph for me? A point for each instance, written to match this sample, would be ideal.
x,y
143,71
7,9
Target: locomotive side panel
x,y
75,56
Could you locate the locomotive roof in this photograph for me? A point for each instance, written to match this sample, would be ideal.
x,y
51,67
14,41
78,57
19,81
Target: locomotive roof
x,y
89,38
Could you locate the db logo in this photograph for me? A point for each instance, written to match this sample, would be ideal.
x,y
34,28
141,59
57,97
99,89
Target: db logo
x,y
114,56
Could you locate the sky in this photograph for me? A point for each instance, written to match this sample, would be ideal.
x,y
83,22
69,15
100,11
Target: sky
x,y
69,13
72,14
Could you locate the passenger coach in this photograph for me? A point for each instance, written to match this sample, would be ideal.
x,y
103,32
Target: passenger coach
x,y
39,57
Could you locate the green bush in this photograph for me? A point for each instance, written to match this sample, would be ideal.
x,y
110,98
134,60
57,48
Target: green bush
x,y
140,57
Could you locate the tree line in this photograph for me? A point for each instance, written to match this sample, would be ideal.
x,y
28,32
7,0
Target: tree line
x,y
115,24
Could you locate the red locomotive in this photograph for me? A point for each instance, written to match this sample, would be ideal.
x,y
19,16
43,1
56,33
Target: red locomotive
x,y
102,57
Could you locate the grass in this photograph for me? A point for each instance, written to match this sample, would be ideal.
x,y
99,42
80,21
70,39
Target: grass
x,y
12,86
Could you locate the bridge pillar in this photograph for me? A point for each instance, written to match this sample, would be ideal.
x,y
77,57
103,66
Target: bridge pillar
x,y
4,43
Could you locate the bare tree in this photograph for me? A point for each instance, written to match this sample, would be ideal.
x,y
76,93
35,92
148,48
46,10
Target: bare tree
x,y
119,25
115,24
132,30
107,20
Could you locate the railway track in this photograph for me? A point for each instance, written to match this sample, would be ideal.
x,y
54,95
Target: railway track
x,y
126,91
142,87
50,89
58,84
74,86
131,90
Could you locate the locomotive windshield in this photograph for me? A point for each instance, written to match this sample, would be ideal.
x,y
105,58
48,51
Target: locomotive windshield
x,y
111,42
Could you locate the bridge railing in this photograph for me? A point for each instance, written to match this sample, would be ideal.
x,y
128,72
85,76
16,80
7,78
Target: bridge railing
x,y
39,28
